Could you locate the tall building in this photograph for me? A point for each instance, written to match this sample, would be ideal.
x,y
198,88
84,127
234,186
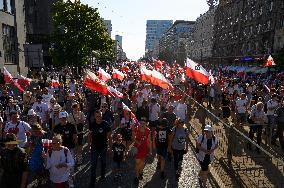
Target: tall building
x,y
108,25
39,28
154,31
203,33
118,38
12,36
175,42
246,29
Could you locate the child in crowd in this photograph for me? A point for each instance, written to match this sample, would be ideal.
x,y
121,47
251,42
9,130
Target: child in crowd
x,y
118,149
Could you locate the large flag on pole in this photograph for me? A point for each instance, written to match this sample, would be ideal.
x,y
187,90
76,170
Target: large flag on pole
x,y
269,62
103,75
125,108
196,72
9,79
55,83
94,83
156,78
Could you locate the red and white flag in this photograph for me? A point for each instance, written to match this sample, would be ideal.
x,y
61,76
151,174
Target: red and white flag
x,y
125,108
55,83
145,74
9,79
269,62
159,79
93,83
196,72
24,81
116,74
103,75
114,93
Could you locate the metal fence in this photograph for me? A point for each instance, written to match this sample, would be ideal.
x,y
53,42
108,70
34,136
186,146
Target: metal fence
x,y
236,164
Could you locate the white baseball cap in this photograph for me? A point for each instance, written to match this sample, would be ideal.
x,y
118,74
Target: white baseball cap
x,y
208,128
63,115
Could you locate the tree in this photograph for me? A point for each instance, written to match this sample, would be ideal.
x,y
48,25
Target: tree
x,y
78,31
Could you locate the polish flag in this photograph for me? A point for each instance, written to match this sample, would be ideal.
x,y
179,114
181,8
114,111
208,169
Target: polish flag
x,y
159,79
9,79
114,93
145,74
126,109
269,62
24,81
116,74
196,72
103,75
55,83
93,83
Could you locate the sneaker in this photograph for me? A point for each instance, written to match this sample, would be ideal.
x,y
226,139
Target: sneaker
x,y
136,181
140,176
163,176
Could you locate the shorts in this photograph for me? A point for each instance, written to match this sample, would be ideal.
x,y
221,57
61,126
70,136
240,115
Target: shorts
x,y
162,151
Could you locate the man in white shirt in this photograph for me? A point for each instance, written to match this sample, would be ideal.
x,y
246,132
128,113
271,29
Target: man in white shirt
x,y
46,97
181,110
241,108
41,109
20,128
59,162
154,112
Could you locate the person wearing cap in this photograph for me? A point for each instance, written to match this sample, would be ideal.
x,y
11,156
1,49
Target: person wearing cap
x,y
36,163
20,128
33,118
206,144
14,162
161,143
77,118
54,113
41,109
69,136
179,141
143,143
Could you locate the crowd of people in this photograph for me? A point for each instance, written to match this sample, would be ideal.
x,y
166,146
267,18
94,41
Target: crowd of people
x,y
42,130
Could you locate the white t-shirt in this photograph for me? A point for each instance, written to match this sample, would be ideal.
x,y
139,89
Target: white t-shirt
x,y
59,175
40,109
139,100
20,129
181,111
271,104
154,111
46,99
241,105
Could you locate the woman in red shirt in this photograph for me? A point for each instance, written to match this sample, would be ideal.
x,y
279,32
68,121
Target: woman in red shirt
x,y
142,141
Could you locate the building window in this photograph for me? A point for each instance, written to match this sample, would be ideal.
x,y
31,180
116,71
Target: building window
x,y
7,6
9,44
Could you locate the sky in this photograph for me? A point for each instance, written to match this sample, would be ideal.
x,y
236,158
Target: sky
x,y
129,18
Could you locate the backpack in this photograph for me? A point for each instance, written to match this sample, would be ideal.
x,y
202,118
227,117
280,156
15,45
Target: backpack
x,y
202,139
65,153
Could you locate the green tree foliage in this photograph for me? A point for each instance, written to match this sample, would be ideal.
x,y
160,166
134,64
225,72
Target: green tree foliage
x,y
78,31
